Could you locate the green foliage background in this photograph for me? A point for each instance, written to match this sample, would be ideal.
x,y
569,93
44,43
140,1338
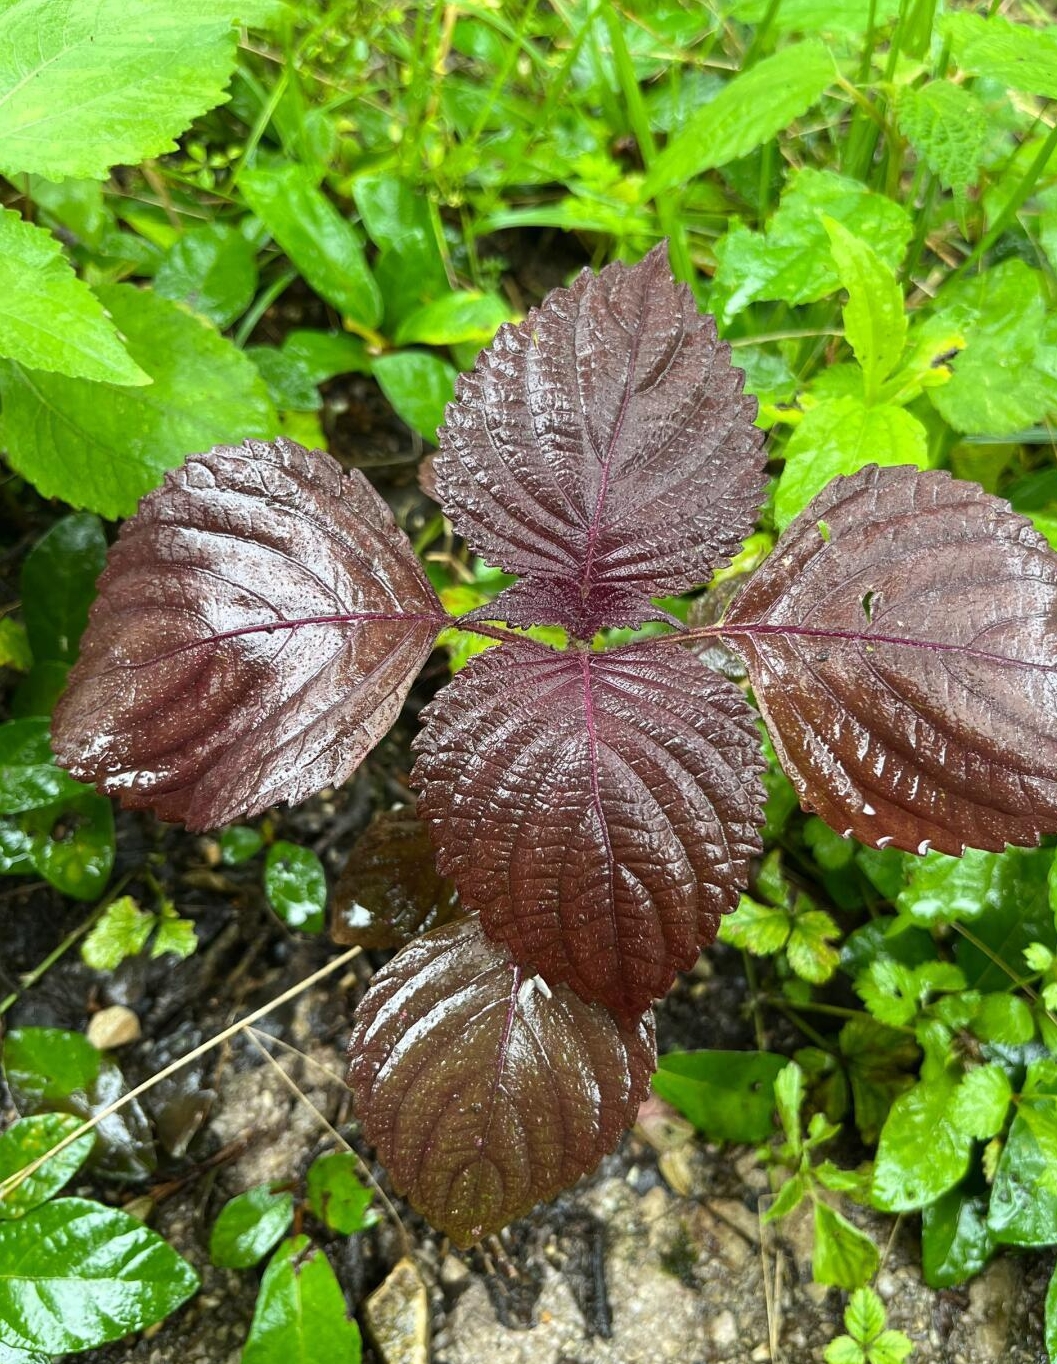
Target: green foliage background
x,y
864,192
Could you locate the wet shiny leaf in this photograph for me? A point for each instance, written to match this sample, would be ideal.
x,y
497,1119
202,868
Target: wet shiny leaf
x,y
335,1194
599,809
604,448
249,1225
900,645
296,886
258,625
390,889
75,1274
483,1090
26,1141
301,1312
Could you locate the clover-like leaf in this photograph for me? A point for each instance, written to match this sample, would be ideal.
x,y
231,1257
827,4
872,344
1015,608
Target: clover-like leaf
x,y
599,809
603,447
901,644
257,628
483,1090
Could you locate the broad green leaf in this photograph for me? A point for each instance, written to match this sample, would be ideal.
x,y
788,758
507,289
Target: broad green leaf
x,y
761,929
296,886
792,260
419,386
14,645
454,319
1023,1207
810,947
828,848
1020,915
301,1314
336,1196
844,1256
947,126
864,1317
324,245
410,269
844,1350
746,113
122,931
26,1141
1006,377
1005,1019
878,1061
322,355
238,843
102,447
249,1225
71,843
727,1095
49,1069
955,1241
1018,55
981,1102
75,1274
49,319
841,436
174,935
789,1100
28,775
921,1154
947,890
90,84
212,269
288,379
58,585
875,324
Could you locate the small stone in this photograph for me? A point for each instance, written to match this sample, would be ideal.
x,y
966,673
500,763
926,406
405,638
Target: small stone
x,y
761,1354
113,1027
724,1331
397,1316
453,1273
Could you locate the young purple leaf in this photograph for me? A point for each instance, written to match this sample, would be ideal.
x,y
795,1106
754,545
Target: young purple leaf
x,y
603,447
599,809
902,644
483,1090
257,628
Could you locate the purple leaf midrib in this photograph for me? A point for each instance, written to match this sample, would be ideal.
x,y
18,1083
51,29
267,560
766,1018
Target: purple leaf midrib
x,y
751,629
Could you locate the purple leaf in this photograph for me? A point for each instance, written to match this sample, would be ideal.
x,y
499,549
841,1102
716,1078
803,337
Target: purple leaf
x,y
901,644
483,1090
604,447
390,890
257,628
598,809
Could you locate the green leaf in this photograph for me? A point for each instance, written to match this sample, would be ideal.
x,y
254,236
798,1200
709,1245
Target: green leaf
x,y
90,84
1020,915
75,1274
805,16
122,931
14,646
336,1196
212,269
875,324
410,269
289,381
296,886
828,848
49,319
727,1095
789,1100
324,246
102,447
1023,1207
947,126
844,1256
48,1064
790,1196
747,112
1017,55
761,929
58,585
841,436
809,949
454,319
301,1312
878,1061
947,890
921,1154
28,775
843,1350
955,1240
26,1141
419,386
864,1317
1006,377
322,355
792,260
174,935
249,1225
981,1102
238,843
1005,1019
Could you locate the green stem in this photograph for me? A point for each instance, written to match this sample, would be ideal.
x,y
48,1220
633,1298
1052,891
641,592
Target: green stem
x,y
261,304
1015,202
